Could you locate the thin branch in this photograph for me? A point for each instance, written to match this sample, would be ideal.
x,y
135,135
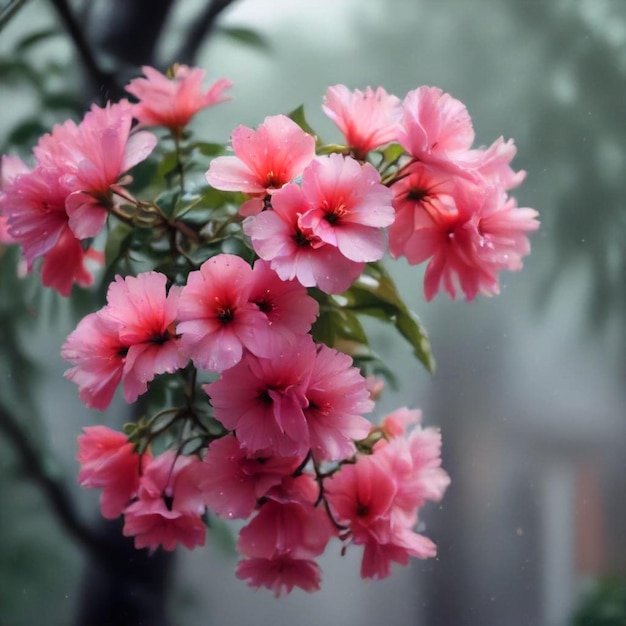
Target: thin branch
x,y
58,497
104,82
9,10
200,28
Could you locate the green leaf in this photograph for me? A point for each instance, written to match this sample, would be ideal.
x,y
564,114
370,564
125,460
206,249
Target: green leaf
x,y
246,36
208,149
119,240
393,152
60,101
297,115
374,293
14,71
372,364
144,174
34,38
167,165
168,201
26,133
335,325
333,148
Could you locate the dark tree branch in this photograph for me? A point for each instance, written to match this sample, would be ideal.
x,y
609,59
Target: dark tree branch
x,y
133,30
57,495
200,28
105,83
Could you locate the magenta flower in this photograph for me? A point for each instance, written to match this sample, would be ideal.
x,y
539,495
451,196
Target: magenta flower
x,y
349,206
262,400
109,462
144,315
168,508
368,119
265,160
216,318
173,101
295,252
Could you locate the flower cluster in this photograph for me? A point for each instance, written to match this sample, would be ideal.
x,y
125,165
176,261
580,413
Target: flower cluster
x,y
448,202
55,209
294,507
256,280
51,209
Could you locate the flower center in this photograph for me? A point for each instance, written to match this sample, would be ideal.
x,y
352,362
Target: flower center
x,y
416,195
334,214
223,312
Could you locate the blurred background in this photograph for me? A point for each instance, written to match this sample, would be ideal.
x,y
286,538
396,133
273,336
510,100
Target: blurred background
x,y
529,390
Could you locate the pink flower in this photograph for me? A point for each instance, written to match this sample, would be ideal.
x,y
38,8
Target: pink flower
x,y
290,311
5,238
283,538
493,164
422,194
131,340
375,386
436,127
288,525
65,264
262,400
377,556
348,206
109,462
294,251
216,318
362,496
395,424
232,479
367,119
309,398
488,234
414,462
34,202
168,508
337,397
144,316
10,168
93,157
266,159
173,101
280,574
98,354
